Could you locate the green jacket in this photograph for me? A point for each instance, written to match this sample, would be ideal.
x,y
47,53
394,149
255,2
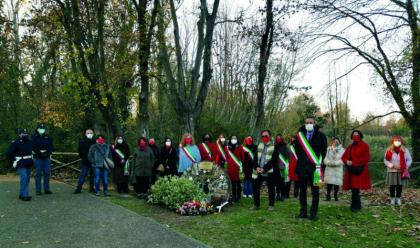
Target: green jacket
x,y
143,162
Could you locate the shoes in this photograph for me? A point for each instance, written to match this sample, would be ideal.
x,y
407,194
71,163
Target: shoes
x,y
25,198
270,209
97,193
254,208
355,210
48,192
328,198
106,194
77,191
38,193
398,201
301,216
336,197
313,218
392,201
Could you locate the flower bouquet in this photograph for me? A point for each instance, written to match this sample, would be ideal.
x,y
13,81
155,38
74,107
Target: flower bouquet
x,y
193,207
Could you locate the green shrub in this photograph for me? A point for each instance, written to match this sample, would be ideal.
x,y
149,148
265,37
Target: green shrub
x,y
173,191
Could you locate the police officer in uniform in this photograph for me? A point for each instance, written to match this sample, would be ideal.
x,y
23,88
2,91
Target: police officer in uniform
x,y
42,150
19,154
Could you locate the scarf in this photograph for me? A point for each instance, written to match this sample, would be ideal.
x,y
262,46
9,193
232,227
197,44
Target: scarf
x,y
403,165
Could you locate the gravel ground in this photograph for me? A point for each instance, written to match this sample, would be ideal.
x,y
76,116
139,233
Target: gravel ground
x,y
84,220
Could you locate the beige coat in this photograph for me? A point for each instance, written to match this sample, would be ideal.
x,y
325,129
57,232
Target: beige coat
x,y
334,166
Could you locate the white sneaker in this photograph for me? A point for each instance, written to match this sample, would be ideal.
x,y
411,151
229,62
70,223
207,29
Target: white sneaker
x,y
392,201
398,201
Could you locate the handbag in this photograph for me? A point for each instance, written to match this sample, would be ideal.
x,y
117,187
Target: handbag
x,y
356,170
160,168
109,163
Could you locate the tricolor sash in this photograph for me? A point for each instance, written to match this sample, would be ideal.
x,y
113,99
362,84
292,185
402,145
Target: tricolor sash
x,y
310,153
285,161
206,147
292,149
119,153
250,153
221,151
237,161
188,153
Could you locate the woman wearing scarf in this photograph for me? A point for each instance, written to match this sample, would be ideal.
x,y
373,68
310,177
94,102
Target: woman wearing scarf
x,y
220,158
188,153
207,148
143,161
169,158
250,161
333,176
120,156
356,159
97,155
397,160
234,160
283,172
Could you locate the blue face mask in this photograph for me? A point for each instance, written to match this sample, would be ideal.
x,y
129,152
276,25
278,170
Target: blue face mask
x,y
41,131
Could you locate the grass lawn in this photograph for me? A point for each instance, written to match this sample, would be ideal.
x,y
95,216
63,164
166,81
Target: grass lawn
x,y
374,226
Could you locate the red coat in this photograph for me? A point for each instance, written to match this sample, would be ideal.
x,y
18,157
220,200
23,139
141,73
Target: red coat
x,y
360,155
203,152
292,168
232,168
220,161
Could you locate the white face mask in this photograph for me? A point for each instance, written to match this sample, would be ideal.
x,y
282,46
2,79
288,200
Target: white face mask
x,y
309,127
397,143
222,139
89,135
234,141
168,143
41,131
120,141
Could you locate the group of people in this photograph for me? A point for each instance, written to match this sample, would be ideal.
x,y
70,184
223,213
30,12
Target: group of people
x,y
306,161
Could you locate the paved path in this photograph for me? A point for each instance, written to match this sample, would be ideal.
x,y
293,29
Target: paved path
x,y
66,220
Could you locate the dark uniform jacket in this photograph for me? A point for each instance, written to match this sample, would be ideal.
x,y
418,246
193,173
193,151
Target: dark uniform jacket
x,y
20,148
42,146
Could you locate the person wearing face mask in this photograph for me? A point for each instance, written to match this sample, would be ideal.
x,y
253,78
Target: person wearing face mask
x,y
234,160
250,161
220,157
97,155
86,166
265,170
169,158
143,162
207,148
311,148
333,176
156,153
188,153
42,150
282,175
19,154
120,156
397,161
356,159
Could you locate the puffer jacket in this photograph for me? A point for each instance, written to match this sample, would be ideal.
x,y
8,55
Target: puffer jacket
x,y
98,153
334,166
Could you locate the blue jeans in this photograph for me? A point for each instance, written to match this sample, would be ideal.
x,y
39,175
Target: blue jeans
x,y
42,168
247,187
25,176
84,170
101,173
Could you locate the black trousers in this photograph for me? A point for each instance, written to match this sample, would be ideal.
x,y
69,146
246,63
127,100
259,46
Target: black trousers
x,y
303,186
236,191
142,185
122,187
296,189
286,189
397,189
257,183
356,204
329,189
280,185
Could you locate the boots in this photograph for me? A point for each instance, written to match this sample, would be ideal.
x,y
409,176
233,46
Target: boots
x,y
398,201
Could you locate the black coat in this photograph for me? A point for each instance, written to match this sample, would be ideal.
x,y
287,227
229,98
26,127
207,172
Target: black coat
x,y
250,164
20,148
156,153
42,146
84,146
118,171
168,158
305,168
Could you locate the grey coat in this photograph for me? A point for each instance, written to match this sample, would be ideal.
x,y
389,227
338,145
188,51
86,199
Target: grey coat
x,y
98,153
143,162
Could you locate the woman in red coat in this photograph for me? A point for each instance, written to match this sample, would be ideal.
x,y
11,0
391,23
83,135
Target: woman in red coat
x,y
292,169
207,148
234,159
220,156
356,177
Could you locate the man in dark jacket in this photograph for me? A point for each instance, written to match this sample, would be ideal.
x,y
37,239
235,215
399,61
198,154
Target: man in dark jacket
x,y
306,167
86,167
42,150
19,154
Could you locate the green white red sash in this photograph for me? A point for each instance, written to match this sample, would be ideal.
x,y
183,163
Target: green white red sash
x,y
285,161
188,153
235,159
206,147
250,153
119,153
221,151
292,149
310,153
